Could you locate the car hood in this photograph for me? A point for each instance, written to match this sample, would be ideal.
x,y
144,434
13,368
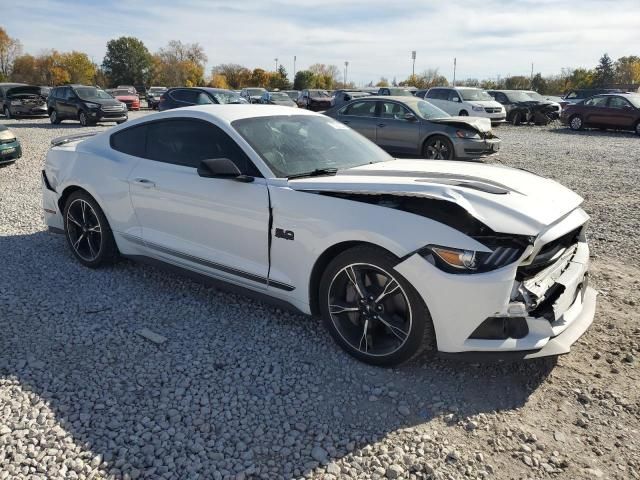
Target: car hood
x,y
103,101
24,89
507,200
484,103
480,124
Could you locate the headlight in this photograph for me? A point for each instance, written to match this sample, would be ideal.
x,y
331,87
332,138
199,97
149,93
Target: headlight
x,y
91,105
478,109
467,134
454,260
123,106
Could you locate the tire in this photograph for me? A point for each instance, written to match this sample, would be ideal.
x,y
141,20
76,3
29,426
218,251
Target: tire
x,y
438,147
87,231
399,326
120,122
7,113
53,117
637,129
84,120
576,123
516,118
463,113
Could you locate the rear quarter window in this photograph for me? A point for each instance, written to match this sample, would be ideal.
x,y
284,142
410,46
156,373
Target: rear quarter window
x,y
131,141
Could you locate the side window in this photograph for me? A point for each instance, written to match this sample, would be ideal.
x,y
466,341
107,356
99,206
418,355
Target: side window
x,y
187,142
130,141
501,98
453,96
361,109
432,94
393,111
203,99
618,102
596,102
183,95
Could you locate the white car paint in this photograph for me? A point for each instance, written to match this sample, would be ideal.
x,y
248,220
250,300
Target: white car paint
x,y
455,104
219,227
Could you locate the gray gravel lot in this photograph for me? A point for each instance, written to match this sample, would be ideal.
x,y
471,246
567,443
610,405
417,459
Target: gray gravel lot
x,y
241,389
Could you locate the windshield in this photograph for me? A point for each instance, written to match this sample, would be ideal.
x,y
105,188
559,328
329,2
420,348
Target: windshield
x,y
518,97
319,93
634,99
157,89
227,97
400,92
475,95
295,144
91,93
120,92
280,96
255,91
292,95
427,110
534,95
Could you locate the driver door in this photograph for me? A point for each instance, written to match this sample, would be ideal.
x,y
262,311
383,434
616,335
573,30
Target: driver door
x,y
214,226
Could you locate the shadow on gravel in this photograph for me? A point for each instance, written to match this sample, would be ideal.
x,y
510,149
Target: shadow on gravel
x,y
594,132
238,388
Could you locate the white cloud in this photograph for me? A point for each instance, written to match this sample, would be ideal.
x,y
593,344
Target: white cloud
x,y
489,38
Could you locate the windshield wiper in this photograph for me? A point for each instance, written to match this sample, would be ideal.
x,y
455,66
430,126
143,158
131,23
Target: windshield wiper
x,y
314,173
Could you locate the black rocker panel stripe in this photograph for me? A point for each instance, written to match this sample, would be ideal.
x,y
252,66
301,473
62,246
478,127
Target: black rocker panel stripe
x,y
210,264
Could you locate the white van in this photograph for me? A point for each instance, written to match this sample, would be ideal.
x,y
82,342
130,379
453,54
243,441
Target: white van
x,y
466,101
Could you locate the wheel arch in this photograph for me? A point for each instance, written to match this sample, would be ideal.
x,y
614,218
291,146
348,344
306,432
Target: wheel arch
x,y
323,261
437,134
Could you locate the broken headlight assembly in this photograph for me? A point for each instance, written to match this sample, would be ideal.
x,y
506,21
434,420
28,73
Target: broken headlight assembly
x,y
467,134
454,260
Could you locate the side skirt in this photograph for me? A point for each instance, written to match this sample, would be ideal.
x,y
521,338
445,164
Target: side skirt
x,y
214,282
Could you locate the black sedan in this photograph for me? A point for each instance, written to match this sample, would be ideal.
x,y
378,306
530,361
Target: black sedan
x,y
188,96
411,126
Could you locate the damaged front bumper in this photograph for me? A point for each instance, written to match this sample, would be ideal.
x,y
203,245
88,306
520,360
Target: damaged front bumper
x,y
504,314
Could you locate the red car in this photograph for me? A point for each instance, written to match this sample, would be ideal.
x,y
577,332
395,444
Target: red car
x,y
619,111
125,96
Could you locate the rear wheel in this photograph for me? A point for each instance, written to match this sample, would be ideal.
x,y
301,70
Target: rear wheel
x,y
576,123
637,128
371,310
516,118
87,231
463,113
7,113
438,148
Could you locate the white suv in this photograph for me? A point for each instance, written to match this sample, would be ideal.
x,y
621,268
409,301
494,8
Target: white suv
x,y
466,101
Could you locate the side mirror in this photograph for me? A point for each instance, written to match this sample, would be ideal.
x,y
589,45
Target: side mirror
x,y
222,168
455,99
410,117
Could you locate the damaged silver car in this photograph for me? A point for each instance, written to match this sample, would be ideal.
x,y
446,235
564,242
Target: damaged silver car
x,y
411,126
21,100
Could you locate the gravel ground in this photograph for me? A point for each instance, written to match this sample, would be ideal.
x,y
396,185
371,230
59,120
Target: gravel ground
x,y
240,389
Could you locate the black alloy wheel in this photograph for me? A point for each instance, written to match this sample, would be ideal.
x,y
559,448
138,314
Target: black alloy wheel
x,y
438,148
372,311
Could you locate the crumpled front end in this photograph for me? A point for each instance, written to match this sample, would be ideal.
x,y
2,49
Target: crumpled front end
x,y
537,306
26,101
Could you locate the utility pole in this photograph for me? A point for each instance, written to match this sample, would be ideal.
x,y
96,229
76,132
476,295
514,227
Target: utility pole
x,y
346,65
276,64
413,68
454,70
531,72
294,67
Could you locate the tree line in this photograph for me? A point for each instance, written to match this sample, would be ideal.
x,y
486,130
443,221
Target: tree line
x,y
127,61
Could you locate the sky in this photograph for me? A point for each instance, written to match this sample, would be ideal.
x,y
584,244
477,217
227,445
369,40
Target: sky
x,y
488,38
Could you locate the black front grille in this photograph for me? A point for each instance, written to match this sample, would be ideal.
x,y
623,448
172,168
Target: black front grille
x,y
492,110
548,253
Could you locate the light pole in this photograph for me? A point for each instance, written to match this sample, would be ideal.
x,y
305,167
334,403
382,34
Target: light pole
x,y
294,67
413,69
346,65
276,64
454,71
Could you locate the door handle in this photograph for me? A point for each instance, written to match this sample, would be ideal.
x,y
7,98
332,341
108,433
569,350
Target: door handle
x,y
143,182
382,125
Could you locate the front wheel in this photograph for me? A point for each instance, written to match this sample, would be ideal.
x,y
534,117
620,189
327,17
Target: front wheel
x,y
87,231
637,128
84,119
438,148
516,118
53,117
576,123
463,113
7,113
371,310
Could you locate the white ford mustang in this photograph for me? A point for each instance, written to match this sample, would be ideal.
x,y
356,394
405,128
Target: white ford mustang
x,y
397,256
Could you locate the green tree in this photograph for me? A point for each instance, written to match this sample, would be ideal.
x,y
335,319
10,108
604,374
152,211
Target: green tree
x,y
127,61
79,67
279,80
517,82
580,78
26,70
539,84
605,72
304,79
